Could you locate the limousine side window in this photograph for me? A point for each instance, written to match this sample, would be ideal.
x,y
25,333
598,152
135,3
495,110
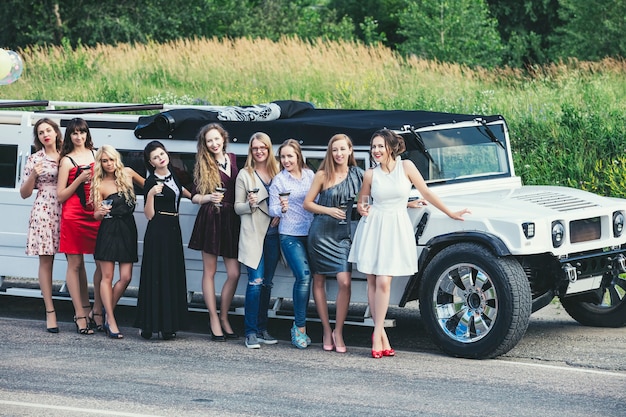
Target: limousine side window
x,y
8,165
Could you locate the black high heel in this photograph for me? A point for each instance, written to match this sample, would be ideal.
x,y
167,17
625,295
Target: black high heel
x,y
51,329
84,331
112,335
92,322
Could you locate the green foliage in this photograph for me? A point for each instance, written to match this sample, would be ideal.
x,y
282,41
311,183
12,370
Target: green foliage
x,y
526,27
593,29
371,35
363,12
607,178
567,122
458,31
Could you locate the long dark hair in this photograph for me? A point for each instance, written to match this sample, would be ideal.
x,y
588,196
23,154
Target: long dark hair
x,y
59,140
150,147
75,125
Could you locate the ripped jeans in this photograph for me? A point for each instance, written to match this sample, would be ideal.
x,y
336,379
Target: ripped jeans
x,y
259,289
294,250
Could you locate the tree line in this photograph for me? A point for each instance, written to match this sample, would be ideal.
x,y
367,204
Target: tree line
x,y
487,33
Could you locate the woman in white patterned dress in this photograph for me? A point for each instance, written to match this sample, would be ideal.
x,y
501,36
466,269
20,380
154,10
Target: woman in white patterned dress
x,y
40,173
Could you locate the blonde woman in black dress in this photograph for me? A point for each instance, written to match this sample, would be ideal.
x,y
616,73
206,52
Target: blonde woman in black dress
x,y
112,183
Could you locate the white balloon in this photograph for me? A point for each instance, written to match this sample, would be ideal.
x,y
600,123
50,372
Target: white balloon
x,y
5,63
16,68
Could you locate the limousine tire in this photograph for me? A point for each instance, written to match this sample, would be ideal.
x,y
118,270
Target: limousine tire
x,y
610,312
474,304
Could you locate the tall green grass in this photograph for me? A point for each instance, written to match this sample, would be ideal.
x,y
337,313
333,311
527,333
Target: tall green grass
x,y
567,121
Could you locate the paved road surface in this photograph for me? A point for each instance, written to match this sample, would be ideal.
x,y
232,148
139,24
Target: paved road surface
x,y
558,369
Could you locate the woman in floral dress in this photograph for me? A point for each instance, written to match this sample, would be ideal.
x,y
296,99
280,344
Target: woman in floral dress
x,y
40,173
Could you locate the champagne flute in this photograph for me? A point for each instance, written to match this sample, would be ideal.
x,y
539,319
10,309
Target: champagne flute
x,y
343,206
254,191
366,202
107,203
220,190
160,181
284,196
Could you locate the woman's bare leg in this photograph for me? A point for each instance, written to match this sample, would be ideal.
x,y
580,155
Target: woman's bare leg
x,y
228,291
45,284
209,267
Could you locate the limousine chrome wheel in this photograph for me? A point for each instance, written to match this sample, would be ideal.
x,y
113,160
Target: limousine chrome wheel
x,y
475,304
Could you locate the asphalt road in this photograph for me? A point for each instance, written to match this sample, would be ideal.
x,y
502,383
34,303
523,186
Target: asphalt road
x,y
558,369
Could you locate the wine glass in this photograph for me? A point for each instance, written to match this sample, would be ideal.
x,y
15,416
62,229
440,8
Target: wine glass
x,y
284,196
85,168
160,181
220,190
366,202
107,204
254,191
343,206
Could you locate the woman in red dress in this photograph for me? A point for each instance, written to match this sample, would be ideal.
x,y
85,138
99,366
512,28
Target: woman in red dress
x,y
78,226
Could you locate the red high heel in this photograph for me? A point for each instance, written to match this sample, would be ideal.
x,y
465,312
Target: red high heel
x,y
389,352
376,354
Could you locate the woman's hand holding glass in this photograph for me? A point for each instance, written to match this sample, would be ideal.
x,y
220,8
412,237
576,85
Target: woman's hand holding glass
x,y
217,196
284,201
253,198
85,174
365,201
106,207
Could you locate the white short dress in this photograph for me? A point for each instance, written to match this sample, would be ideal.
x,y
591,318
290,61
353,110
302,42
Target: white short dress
x,y
384,243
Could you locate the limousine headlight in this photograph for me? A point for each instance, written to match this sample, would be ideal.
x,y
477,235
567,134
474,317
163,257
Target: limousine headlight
x,y
558,233
618,223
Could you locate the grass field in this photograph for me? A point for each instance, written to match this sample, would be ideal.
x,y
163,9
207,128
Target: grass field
x,y
567,120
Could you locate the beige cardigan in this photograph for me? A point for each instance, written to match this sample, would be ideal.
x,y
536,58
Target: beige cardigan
x,y
254,221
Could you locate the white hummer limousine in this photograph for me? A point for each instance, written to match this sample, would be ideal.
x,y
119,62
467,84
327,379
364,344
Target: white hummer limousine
x,y
478,280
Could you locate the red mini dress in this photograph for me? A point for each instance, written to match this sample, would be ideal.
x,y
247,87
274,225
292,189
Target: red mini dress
x,y
79,229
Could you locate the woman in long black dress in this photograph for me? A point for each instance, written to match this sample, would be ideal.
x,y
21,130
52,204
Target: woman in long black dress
x,y
112,183
162,298
335,185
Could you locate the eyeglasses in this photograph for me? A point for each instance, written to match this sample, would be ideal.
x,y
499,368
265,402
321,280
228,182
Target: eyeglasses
x,y
259,149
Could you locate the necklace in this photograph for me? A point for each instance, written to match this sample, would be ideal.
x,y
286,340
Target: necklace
x,y
224,165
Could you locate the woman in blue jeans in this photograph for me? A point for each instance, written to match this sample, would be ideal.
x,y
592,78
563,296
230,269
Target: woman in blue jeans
x,y
287,192
259,247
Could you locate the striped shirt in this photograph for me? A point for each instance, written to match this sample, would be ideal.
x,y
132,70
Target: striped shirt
x,y
296,221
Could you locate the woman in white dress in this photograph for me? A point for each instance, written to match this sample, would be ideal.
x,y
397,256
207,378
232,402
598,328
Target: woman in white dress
x,y
384,245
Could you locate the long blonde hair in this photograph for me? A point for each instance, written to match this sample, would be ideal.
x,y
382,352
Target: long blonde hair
x,y
271,163
328,165
206,173
122,181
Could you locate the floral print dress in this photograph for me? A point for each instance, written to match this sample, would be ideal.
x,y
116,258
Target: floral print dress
x,y
45,216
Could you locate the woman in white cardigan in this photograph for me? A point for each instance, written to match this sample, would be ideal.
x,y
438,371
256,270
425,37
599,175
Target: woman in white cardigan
x,y
259,246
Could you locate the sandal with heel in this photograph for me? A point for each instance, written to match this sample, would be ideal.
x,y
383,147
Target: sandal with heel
x,y
92,322
51,329
85,330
